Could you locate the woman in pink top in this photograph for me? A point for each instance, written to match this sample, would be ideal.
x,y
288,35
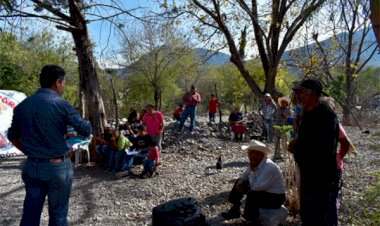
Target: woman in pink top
x,y
154,122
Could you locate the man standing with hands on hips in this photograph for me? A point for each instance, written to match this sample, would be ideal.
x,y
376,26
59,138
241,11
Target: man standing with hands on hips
x,y
38,129
191,99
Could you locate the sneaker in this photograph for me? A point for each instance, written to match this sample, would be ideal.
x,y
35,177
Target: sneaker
x,y
122,173
231,213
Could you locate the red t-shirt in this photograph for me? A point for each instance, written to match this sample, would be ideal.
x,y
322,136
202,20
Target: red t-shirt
x,y
178,111
154,154
153,122
213,106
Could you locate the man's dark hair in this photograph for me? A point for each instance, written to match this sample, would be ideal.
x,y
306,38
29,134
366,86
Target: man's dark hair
x,y
50,74
149,106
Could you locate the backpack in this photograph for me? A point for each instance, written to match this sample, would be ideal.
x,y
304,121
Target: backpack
x,y
179,212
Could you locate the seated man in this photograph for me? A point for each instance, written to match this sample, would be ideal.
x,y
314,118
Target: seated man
x,y
103,146
262,182
236,124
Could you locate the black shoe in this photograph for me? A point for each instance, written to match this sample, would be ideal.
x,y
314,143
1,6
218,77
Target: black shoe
x,y
231,214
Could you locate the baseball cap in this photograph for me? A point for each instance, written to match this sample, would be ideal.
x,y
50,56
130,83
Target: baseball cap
x,y
311,84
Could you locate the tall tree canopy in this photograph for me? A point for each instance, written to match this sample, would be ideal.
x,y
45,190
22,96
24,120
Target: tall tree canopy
x,y
270,26
73,16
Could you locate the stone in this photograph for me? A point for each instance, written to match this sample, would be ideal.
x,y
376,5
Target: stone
x,y
273,217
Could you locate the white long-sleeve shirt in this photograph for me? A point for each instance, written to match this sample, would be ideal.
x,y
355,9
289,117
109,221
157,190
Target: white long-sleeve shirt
x,y
265,177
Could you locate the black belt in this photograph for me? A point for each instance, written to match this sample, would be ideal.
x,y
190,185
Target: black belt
x,y
53,159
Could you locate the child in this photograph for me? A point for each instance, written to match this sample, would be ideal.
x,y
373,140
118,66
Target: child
x,y
118,143
213,104
152,160
178,112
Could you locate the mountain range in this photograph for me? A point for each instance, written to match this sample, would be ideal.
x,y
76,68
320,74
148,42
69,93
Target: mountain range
x,y
217,59
223,58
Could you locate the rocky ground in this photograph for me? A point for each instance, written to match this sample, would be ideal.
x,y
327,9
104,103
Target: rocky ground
x,y
189,170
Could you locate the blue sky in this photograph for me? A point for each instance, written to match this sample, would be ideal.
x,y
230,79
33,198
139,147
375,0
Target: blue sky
x,y
106,37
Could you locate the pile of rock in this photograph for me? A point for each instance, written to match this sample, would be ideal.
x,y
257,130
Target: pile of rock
x,y
203,131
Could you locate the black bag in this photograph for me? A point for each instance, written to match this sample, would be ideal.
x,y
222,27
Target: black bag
x,y
179,212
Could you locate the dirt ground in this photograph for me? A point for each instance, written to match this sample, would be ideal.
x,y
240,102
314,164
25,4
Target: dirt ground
x,y
188,170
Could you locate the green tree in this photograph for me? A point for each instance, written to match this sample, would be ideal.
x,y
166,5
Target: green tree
x,y
368,85
22,61
73,16
154,53
272,26
339,63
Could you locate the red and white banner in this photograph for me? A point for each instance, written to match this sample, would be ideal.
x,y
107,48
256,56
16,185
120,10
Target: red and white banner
x,y
8,101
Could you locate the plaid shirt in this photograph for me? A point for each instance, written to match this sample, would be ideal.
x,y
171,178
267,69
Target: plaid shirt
x,y
280,116
268,109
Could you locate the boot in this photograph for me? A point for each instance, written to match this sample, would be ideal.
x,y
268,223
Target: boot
x,y
232,213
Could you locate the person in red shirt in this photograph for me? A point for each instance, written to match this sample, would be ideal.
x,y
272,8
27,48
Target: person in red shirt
x,y
178,112
152,160
213,105
191,99
154,122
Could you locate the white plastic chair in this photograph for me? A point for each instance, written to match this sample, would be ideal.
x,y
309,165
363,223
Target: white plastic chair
x,y
82,146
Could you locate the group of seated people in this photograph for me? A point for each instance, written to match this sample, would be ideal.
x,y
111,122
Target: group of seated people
x,y
130,144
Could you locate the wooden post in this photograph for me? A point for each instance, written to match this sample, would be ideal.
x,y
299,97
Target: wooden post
x,y
219,108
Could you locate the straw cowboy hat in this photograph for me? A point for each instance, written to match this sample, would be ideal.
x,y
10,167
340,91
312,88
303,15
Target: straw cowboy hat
x,y
280,99
257,146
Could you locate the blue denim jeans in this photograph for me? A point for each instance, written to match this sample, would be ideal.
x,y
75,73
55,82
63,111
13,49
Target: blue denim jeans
x,y
129,159
43,178
148,166
116,160
267,130
189,110
211,116
158,140
104,152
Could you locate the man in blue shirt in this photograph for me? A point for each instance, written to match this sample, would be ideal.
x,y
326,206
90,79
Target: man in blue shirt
x,y
266,110
38,129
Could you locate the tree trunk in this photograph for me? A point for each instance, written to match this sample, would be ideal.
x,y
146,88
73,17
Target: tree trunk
x,y
375,17
270,82
115,104
236,60
90,85
88,79
347,117
160,107
156,97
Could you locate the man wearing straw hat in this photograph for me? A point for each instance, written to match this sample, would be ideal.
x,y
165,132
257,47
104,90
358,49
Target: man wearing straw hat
x,y
315,154
262,182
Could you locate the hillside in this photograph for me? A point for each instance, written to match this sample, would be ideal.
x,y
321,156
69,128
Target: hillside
x,y
374,61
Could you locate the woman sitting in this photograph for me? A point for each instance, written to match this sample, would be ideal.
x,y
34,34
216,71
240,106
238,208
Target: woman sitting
x,y
237,125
